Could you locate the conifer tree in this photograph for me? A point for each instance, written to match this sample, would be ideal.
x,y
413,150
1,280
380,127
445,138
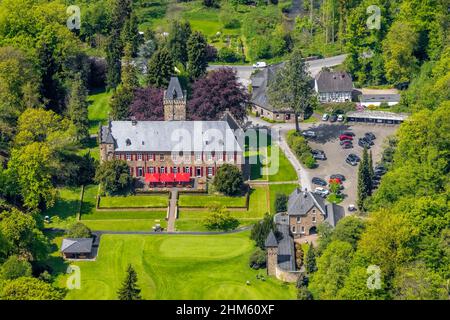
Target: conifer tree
x,y
160,68
197,55
310,260
77,108
130,289
364,180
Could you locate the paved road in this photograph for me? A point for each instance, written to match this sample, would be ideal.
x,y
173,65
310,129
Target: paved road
x,y
172,210
245,71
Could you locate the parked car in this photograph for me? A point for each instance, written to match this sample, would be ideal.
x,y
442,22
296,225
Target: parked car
x,y
317,151
370,142
379,172
260,64
319,156
319,181
338,176
345,137
363,143
340,118
333,118
345,142
354,156
370,136
380,167
322,191
309,134
351,207
348,133
325,117
347,145
351,161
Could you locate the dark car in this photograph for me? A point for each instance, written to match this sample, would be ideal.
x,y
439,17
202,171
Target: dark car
x,y
355,157
369,141
351,161
347,145
317,151
380,167
333,118
319,181
348,133
379,172
309,134
345,142
363,143
370,136
338,176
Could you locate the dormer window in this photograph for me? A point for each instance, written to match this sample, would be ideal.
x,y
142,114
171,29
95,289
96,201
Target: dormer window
x,y
128,142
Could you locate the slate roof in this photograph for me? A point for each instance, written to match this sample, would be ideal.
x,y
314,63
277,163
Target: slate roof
x,y
105,135
167,136
260,82
374,114
380,98
77,245
300,202
330,81
174,90
271,241
286,249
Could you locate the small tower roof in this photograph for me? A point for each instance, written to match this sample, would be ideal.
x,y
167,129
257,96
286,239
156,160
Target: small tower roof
x,y
174,90
271,241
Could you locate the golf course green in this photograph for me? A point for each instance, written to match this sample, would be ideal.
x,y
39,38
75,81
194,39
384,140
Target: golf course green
x,y
177,267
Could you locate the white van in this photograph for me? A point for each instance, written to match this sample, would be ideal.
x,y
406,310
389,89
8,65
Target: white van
x,y
260,64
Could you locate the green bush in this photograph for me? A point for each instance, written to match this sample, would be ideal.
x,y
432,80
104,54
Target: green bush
x,y
14,268
220,219
228,180
78,230
281,200
258,259
228,55
302,150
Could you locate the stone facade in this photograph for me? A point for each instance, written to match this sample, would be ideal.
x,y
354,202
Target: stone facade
x,y
272,260
174,109
306,225
284,116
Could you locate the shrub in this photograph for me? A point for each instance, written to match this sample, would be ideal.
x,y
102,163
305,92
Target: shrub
x,y
228,180
79,230
302,150
14,268
114,176
261,230
281,200
258,259
228,55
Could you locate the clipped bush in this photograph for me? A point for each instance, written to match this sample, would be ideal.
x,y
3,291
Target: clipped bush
x,y
258,259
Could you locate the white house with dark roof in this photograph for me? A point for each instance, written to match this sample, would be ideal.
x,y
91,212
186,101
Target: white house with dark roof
x,y
333,86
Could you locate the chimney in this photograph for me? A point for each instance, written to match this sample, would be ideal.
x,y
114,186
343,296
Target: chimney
x,y
305,193
133,121
298,190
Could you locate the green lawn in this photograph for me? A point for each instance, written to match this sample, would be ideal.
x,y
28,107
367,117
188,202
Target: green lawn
x,y
124,224
63,213
192,220
201,200
286,171
147,201
177,267
98,109
279,188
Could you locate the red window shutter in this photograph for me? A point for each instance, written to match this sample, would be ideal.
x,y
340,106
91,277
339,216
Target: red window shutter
x,y
154,157
201,170
213,171
192,171
224,156
235,156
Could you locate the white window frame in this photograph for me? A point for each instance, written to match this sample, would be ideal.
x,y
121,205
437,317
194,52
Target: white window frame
x,y
187,169
210,171
299,219
128,156
139,156
198,156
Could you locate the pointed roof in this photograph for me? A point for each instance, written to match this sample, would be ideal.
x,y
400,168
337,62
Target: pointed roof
x,y
271,241
330,81
300,202
77,245
174,90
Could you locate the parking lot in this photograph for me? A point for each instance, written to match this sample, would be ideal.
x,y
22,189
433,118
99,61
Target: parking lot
x,y
327,139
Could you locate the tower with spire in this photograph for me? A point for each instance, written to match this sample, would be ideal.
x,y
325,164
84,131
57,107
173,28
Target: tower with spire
x,y
174,101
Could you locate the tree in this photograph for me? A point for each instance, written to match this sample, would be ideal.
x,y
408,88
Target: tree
x,y
258,259
129,72
77,108
398,52
364,181
130,289
371,170
228,179
114,67
291,87
298,255
197,55
215,93
261,230
177,41
160,68
332,269
304,294
114,176
310,260
335,186
78,230
147,104
29,288
220,219
281,201
22,234
349,229
120,103
130,34
14,268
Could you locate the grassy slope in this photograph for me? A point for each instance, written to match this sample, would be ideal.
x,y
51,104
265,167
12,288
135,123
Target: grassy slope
x,y
177,267
98,109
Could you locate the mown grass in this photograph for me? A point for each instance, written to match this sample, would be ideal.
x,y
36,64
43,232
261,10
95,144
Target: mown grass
x,y
177,267
144,201
98,109
204,201
279,188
